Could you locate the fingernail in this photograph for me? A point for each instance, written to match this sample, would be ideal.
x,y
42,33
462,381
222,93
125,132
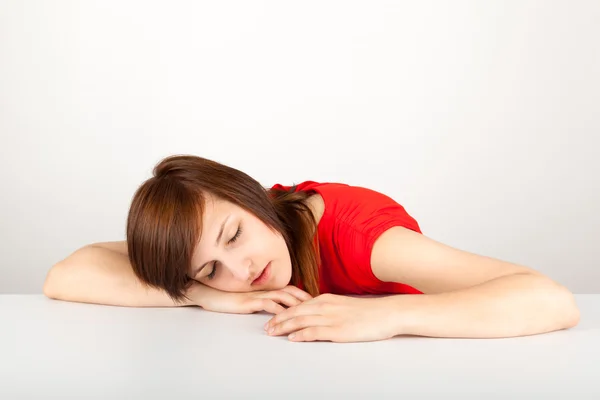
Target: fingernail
x,y
266,326
272,329
292,336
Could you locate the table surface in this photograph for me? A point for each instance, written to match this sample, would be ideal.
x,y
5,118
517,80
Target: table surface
x,y
56,349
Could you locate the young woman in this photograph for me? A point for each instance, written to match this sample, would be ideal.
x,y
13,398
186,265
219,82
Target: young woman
x,y
206,234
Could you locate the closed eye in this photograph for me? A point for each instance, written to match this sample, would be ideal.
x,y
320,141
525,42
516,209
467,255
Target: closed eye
x,y
232,240
236,236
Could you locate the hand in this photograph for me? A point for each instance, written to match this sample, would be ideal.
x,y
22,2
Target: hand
x,y
251,302
335,318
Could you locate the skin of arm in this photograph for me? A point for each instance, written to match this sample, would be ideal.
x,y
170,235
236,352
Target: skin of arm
x,y
101,274
465,294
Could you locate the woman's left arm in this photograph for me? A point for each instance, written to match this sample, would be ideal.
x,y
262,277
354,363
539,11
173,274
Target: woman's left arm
x,y
465,295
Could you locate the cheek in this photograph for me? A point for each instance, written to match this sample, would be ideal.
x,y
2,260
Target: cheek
x,y
265,244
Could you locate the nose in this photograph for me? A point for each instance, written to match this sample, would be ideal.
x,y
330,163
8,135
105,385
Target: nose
x,y
242,269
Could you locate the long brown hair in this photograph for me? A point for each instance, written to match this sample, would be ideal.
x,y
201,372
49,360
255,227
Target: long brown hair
x,y
165,220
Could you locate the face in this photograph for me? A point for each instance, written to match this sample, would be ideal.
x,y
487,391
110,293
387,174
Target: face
x,y
247,256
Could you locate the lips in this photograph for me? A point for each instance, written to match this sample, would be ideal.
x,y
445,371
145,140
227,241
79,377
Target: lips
x,y
263,275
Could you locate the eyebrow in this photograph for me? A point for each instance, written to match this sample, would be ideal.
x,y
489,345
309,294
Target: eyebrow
x,y
216,243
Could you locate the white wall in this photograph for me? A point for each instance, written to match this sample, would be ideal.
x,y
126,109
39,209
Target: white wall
x,y
481,118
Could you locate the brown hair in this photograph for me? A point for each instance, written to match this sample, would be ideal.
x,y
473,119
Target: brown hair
x,y
165,220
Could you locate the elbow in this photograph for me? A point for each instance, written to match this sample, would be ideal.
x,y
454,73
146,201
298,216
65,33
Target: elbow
x,y
559,303
573,315
65,276
562,306
51,287
568,308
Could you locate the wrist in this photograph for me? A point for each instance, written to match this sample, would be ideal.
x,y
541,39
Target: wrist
x,y
401,314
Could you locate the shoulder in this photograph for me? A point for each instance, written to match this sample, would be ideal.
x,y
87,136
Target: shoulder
x,y
366,210
359,215
354,218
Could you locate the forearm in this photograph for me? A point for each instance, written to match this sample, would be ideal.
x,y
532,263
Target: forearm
x,y
101,276
514,305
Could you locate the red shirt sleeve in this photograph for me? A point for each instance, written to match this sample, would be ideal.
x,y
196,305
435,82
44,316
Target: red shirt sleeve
x,y
353,219
359,216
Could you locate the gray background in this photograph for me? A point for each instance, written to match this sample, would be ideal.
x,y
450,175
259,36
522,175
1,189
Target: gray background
x,y
481,118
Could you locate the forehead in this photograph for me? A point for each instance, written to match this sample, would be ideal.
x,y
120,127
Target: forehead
x,y
215,204
214,213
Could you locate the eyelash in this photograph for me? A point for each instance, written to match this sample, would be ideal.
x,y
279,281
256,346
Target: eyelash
x,y
232,240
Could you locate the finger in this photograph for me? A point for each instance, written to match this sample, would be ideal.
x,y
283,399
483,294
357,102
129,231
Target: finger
x,y
292,312
268,305
282,297
298,323
299,293
313,333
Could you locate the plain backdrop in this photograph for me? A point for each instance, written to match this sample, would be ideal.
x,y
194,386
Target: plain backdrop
x,y
481,118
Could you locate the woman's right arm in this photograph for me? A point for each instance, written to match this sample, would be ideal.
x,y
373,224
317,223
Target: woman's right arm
x,y
100,273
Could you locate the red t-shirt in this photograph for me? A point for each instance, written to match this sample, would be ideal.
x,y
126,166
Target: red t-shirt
x,y
353,219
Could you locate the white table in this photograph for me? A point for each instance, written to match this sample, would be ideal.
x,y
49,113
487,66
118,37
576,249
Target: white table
x,y
60,350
